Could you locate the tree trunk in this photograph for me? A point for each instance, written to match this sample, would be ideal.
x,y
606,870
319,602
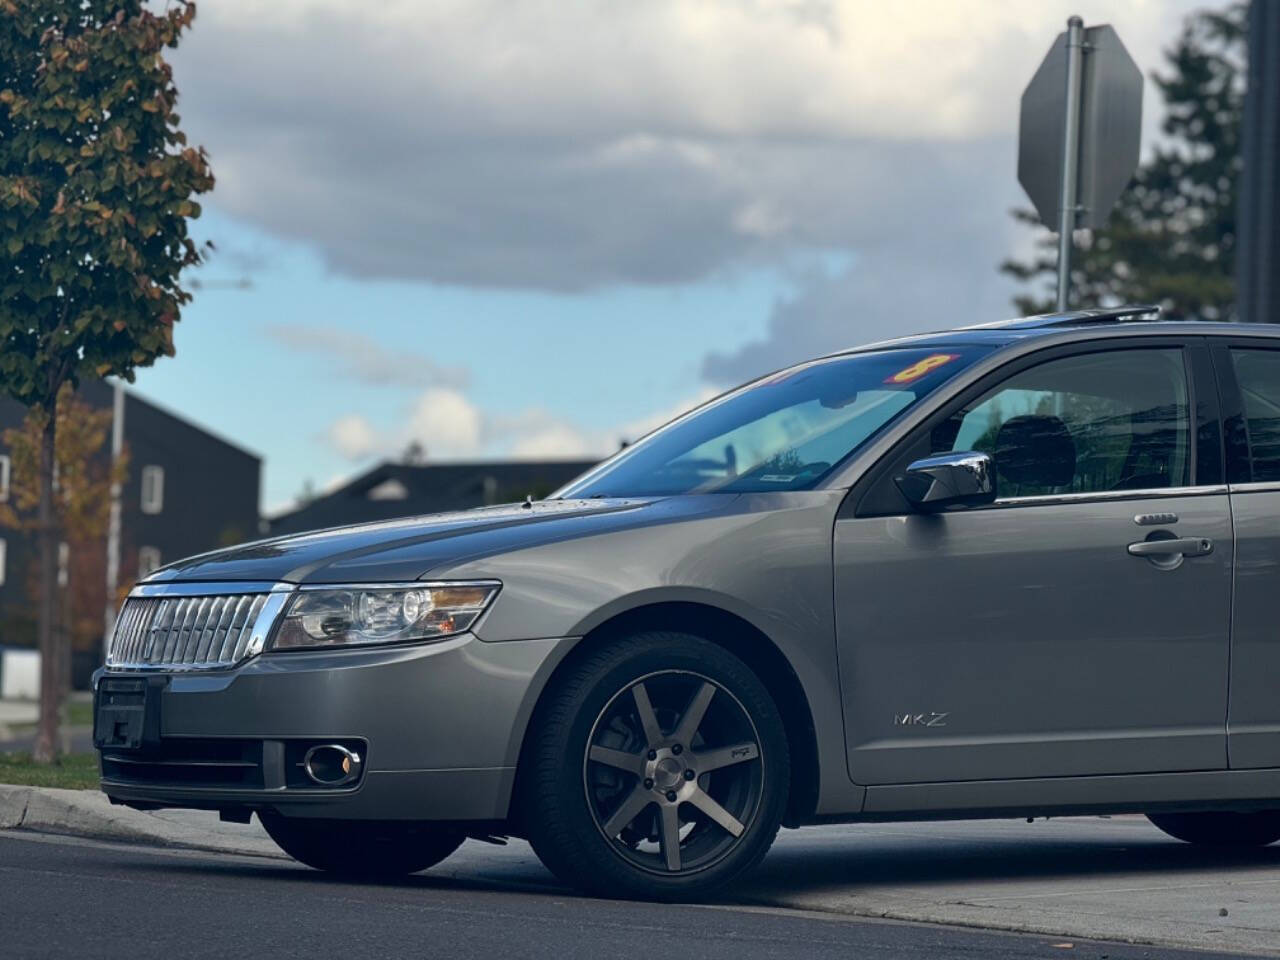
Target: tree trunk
x,y
64,641
45,749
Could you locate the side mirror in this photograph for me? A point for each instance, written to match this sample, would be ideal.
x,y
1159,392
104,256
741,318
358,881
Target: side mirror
x,y
949,480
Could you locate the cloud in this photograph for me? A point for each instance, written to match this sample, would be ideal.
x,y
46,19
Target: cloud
x,y
446,424
449,426
572,144
364,359
243,257
553,441
924,264
441,420
877,296
633,430
353,437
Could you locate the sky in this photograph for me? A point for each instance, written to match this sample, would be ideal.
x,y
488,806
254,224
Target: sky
x,y
536,229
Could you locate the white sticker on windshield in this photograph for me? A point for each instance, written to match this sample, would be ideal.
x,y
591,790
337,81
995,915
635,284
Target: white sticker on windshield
x,y
778,477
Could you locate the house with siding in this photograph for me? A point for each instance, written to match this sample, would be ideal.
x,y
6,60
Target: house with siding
x,y
186,491
392,490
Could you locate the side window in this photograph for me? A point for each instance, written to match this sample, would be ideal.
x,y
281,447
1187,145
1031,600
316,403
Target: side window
x,y
1097,422
152,489
1258,373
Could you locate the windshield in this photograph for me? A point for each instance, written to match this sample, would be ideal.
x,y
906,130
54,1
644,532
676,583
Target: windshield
x,y
783,432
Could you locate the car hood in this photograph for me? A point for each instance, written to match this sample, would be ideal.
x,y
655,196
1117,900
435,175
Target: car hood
x,y
414,547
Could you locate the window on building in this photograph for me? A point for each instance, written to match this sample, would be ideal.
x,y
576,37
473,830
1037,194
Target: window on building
x,y
148,560
3,559
4,477
64,563
389,489
152,489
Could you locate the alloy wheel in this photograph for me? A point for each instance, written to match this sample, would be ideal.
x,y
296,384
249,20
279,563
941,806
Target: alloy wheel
x,y
673,772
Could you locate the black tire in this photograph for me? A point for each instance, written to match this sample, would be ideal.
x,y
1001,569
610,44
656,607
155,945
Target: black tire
x,y
362,848
561,779
1221,829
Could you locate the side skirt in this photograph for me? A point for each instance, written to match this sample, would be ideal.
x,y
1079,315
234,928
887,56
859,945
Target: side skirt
x,y
1061,796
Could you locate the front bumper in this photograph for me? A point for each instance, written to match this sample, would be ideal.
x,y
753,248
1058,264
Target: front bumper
x,y
440,725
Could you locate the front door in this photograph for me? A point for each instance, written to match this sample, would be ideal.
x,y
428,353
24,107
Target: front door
x,y
1037,637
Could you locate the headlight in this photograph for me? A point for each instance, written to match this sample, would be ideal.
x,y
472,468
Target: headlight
x,y
356,615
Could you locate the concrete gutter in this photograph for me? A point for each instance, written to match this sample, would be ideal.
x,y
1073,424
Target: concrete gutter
x,y
88,813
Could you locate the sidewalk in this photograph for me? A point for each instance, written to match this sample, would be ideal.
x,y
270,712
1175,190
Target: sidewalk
x,y
88,813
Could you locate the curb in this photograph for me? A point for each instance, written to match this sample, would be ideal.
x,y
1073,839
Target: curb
x,y
87,813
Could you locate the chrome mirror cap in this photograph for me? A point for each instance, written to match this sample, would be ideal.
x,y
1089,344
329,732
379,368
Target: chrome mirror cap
x,y
966,479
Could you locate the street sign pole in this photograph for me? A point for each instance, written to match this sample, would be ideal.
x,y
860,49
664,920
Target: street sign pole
x,y
1070,158
1079,135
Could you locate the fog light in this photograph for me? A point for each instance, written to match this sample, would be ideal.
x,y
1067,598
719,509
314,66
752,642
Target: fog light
x,y
332,765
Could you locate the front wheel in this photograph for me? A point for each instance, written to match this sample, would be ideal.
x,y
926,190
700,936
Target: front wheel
x,y
658,769
362,848
1221,829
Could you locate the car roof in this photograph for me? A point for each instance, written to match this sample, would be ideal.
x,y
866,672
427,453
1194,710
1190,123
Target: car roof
x,y
1135,320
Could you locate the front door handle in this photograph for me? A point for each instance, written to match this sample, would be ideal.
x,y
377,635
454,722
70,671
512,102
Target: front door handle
x,y
1174,546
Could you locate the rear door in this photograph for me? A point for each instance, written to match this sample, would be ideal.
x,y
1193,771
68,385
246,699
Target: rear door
x,y
1250,374
1026,639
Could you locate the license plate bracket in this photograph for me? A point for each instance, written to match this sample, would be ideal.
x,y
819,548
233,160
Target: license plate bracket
x,y
126,712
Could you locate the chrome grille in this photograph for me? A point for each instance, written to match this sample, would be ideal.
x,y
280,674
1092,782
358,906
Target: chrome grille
x,y
164,628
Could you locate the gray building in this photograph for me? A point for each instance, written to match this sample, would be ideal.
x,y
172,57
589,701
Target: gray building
x,y
187,491
392,490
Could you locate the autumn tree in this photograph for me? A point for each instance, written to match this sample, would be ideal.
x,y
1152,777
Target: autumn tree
x,y
96,188
1171,238
85,473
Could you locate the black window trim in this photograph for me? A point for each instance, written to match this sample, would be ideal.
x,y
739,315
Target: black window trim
x,y
1200,389
1239,458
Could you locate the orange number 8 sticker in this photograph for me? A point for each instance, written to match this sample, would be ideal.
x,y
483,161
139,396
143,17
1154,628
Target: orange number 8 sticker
x,y
921,367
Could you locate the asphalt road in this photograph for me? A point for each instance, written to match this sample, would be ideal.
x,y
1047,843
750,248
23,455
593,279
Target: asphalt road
x,y
1105,878
78,899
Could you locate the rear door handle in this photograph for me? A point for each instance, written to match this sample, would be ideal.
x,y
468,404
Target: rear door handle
x,y
1187,546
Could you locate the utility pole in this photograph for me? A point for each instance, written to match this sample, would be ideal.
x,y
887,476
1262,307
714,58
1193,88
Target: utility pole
x,y
1258,219
113,523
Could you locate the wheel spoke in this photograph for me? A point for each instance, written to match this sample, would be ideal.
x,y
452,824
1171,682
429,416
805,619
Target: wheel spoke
x,y
671,836
648,720
630,762
636,801
667,768
725,757
693,715
702,800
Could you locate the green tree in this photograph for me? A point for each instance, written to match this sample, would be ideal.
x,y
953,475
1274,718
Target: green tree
x,y
1171,239
96,188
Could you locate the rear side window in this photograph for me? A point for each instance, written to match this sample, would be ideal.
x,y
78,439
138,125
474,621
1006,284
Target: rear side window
x,y
1084,424
1258,374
